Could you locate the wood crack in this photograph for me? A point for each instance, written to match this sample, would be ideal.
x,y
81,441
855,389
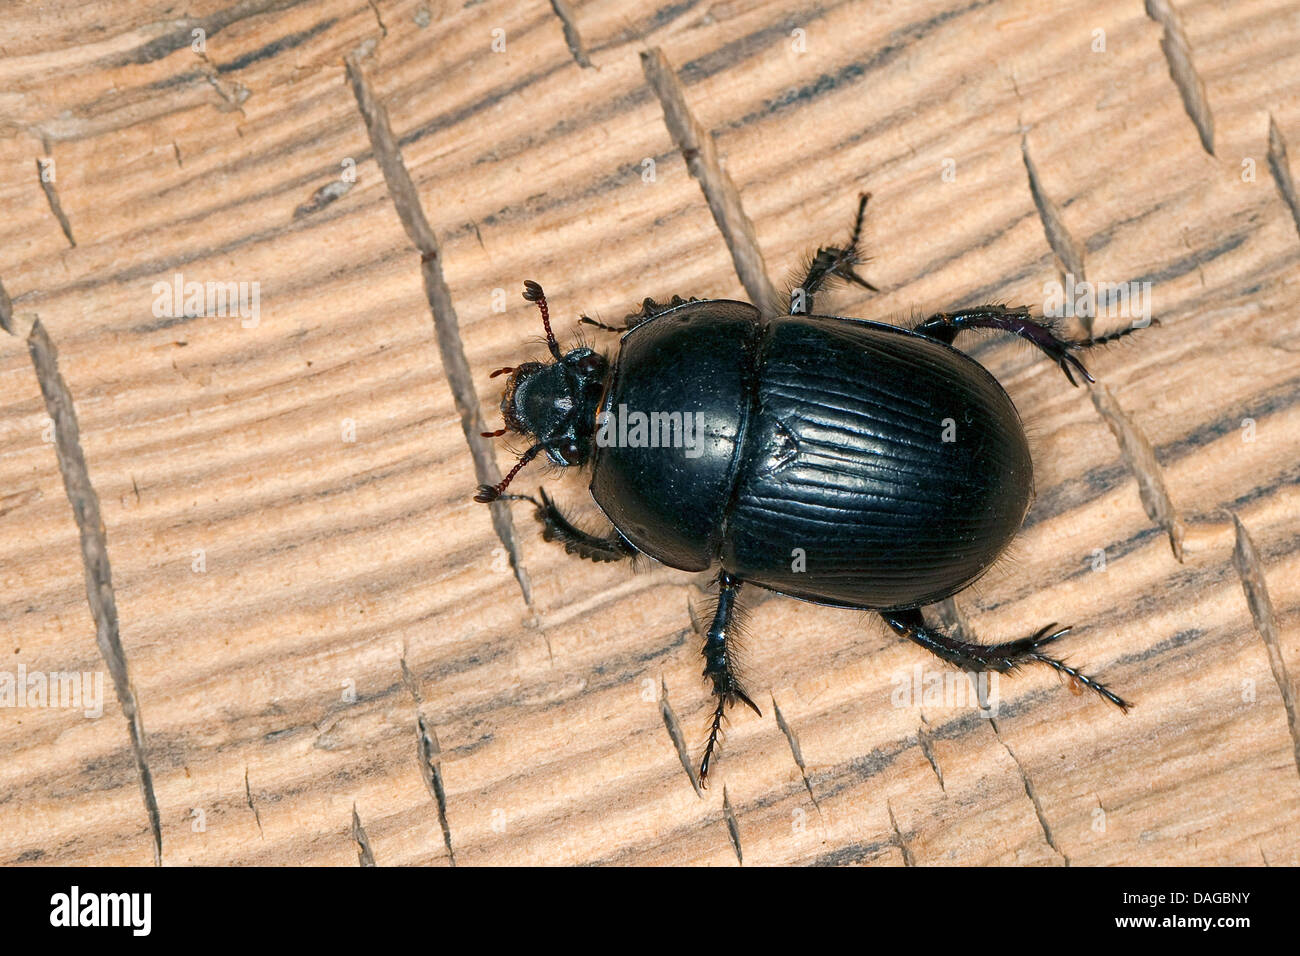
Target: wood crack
x,y
701,155
1179,54
571,36
6,311
1069,253
94,554
1281,169
364,855
378,19
45,175
406,202
1031,792
954,621
926,742
1251,571
674,728
232,96
1141,460
248,795
733,827
903,848
322,197
430,759
793,741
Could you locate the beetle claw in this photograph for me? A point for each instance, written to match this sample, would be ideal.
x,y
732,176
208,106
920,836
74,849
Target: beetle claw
x,y
741,696
1046,636
1072,360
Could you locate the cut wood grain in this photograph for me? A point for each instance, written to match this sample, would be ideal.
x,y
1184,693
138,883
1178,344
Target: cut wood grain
x,y
335,656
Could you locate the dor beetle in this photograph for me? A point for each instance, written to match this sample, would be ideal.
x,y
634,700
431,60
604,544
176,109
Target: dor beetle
x,y
834,460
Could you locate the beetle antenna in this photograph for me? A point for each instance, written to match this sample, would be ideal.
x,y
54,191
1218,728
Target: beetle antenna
x,y
533,293
496,434
502,371
489,493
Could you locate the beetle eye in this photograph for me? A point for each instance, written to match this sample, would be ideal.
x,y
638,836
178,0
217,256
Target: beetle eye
x,y
591,363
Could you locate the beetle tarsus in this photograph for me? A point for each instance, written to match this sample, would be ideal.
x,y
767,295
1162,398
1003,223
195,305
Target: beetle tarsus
x,y
1002,658
832,261
720,665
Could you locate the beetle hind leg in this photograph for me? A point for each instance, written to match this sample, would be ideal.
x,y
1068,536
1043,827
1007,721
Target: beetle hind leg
x,y
944,326
557,527
720,664
832,261
1003,658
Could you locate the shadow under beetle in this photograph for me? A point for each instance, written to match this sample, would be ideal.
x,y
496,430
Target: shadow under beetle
x,y
894,464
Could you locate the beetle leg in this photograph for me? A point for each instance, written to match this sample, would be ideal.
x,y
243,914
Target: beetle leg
x,y
832,261
720,664
1003,658
556,527
588,320
649,309
944,326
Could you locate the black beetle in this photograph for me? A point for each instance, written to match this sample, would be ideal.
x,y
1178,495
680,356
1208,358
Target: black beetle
x,y
835,460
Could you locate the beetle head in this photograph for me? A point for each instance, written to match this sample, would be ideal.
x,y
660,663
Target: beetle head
x,y
554,403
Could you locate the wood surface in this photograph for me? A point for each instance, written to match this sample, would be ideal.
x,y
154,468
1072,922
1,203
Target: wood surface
x,y
326,653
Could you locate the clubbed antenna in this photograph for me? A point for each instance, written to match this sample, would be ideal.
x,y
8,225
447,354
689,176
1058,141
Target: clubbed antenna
x,y
533,293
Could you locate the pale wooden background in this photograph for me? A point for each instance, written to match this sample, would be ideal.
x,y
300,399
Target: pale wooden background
x,y
329,562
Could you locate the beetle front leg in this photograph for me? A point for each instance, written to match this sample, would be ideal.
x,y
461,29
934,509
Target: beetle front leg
x,y
832,261
1003,658
556,527
720,664
649,309
944,326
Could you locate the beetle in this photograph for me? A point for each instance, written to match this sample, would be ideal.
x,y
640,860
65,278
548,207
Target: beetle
x,y
835,460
